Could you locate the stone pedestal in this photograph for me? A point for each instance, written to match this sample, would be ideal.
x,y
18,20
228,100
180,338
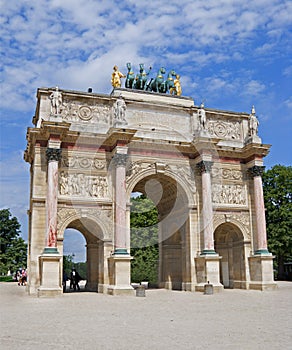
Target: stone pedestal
x,y
261,272
208,270
119,275
50,273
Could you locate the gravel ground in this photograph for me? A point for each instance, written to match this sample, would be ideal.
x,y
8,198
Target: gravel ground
x,y
233,319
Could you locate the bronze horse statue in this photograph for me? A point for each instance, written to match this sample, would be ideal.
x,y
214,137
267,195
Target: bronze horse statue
x,y
129,83
155,84
168,83
141,78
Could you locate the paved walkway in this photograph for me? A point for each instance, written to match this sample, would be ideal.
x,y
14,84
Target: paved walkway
x,y
234,319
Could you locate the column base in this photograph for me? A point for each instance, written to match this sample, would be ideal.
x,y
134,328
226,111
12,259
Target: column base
x,y
208,271
120,275
261,272
50,273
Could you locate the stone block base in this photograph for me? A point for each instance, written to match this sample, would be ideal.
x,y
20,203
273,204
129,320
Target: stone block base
x,y
261,272
50,273
120,275
121,290
208,270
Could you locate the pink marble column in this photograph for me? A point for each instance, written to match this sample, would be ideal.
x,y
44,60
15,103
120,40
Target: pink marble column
x,y
259,205
53,157
207,207
120,204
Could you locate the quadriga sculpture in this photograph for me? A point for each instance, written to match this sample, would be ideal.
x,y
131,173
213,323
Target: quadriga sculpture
x,y
141,78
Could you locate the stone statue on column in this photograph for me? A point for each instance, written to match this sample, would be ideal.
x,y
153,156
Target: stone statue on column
x,y
253,125
56,101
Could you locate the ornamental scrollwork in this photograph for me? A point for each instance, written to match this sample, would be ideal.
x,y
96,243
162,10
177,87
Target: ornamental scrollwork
x,y
224,129
226,173
83,162
72,111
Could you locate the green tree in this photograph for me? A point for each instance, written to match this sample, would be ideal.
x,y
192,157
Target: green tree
x,y
144,240
277,183
13,247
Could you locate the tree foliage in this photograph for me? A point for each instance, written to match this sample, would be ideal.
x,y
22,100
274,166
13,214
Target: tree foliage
x,y
144,240
13,247
277,183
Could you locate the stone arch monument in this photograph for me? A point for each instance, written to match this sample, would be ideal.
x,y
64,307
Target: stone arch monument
x,y
90,152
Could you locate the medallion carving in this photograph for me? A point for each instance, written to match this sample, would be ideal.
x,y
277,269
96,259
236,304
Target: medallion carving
x,y
82,162
72,111
226,173
229,194
224,129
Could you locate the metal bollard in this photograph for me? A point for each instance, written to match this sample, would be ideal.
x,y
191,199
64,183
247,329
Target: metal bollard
x,y
140,291
208,289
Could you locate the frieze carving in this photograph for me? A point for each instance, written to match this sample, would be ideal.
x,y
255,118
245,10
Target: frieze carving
x,y
256,171
229,194
83,162
72,111
53,154
224,129
83,185
226,173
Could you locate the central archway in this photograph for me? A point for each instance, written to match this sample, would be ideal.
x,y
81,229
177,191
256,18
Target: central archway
x,y
171,202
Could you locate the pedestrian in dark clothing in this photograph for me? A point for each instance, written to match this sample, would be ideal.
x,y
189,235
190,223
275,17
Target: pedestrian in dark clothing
x,y
75,278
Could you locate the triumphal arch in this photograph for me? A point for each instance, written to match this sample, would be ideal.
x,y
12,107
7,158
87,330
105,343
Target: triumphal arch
x,y
201,167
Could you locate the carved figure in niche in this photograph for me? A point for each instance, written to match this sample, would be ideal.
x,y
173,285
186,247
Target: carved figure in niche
x,y
253,123
120,110
202,117
73,185
56,101
64,186
116,77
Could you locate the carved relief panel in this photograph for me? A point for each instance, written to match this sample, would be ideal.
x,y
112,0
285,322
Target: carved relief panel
x,y
83,185
93,112
225,129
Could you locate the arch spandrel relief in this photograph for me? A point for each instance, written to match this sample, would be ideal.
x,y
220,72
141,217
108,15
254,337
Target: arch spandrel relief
x,y
102,218
241,220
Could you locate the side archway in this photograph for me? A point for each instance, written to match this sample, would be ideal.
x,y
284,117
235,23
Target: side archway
x,y
229,244
94,231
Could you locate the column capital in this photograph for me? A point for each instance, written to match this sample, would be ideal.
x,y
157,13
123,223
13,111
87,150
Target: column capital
x,y
53,154
256,170
205,166
120,159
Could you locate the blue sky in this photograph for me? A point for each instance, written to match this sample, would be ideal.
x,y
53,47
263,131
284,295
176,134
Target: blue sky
x,y
230,53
